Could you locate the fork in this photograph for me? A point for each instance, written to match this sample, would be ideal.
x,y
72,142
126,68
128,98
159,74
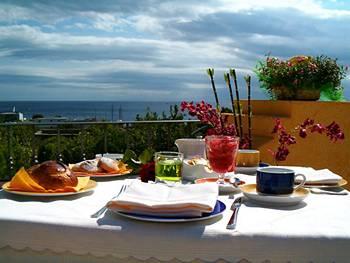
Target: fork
x,y
104,208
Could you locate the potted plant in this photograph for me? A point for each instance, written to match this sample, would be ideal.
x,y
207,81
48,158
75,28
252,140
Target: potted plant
x,y
301,77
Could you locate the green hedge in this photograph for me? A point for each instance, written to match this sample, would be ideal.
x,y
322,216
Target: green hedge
x,y
90,140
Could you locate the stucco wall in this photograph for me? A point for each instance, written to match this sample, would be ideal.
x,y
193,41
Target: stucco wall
x,y
316,150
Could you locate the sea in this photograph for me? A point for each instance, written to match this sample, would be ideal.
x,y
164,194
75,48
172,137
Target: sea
x,y
87,110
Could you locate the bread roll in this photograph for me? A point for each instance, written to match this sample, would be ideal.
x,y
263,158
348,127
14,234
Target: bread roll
x,y
53,175
109,165
88,166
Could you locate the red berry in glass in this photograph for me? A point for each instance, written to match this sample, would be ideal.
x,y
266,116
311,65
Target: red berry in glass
x,y
221,153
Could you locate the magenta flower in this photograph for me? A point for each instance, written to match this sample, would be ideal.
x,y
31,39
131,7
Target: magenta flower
x,y
285,139
206,114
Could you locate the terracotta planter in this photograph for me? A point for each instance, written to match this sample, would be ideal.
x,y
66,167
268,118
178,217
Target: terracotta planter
x,y
307,94
285,93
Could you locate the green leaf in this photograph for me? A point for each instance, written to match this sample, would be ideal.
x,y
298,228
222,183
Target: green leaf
x,y
210,72
226,76
328,93
128,155
128,158
146,156
201,130
233,73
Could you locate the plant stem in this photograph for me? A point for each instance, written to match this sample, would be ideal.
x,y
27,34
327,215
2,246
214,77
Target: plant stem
x,y
233,74
218,108
211,75
228,82
248,81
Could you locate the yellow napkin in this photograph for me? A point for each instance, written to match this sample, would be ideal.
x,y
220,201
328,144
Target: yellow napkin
x,y
23,182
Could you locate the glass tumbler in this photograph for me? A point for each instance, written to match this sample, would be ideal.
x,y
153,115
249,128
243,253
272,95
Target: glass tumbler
x,y
168,166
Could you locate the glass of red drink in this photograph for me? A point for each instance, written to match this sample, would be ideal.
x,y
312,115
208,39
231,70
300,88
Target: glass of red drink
x,y
221,153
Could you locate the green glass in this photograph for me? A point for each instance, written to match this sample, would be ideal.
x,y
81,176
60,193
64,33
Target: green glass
x,y
168,166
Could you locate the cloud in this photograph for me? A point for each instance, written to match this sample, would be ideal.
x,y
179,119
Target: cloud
x,y
155,50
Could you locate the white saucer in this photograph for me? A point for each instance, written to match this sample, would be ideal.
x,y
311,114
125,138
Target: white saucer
x,y
249,190
227,188
246,170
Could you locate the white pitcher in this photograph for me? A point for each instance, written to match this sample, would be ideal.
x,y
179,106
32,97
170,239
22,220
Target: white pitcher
x,y
191,147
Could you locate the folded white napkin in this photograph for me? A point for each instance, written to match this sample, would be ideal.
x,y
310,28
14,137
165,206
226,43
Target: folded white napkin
x,y
167,201
313,176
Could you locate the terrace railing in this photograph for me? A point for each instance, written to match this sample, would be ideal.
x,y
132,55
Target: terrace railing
x,y
28,143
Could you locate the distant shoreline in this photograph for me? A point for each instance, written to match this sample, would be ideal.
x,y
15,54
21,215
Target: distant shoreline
x,y
82,110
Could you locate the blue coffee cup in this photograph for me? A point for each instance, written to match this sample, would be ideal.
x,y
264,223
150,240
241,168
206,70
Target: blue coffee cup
x,y
277,181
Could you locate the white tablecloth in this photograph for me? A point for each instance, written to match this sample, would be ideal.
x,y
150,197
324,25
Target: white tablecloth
x,y
316,230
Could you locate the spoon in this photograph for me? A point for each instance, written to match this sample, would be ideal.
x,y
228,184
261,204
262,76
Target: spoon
x,y
321,191
235,182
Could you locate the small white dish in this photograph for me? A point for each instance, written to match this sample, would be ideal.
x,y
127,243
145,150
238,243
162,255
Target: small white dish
x,y
196,170
249,190
246,170
227,188
102,175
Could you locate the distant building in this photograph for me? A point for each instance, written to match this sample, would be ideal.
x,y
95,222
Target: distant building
x,y
48,120
48,126
11,116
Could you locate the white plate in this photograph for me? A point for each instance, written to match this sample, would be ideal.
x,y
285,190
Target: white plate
x,y
226,188
218,210
249,190
246,170
342,182
101,175
90,187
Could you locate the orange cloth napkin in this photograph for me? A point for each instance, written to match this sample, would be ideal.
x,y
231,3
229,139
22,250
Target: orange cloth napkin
x,y
23,182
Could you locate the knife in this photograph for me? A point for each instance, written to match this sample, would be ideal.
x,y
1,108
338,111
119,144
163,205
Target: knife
x,y
235,208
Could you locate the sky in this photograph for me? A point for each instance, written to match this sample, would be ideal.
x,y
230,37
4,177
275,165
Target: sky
x,y
151,50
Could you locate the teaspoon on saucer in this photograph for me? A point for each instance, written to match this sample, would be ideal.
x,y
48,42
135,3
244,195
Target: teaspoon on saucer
x,y
321,191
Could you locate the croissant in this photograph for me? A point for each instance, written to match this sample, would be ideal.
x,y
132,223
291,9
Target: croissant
x,y
109,165
87,166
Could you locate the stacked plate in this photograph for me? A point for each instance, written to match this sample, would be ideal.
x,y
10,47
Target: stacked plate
x,y
159,202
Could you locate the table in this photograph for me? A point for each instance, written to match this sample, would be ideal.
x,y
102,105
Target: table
x,y
61,230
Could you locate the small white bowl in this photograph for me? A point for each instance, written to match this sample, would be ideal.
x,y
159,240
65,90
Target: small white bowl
x,y
191,172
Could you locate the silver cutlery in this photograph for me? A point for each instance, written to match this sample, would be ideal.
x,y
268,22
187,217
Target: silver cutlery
x,y
104,208
235,208
329,192
235,182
